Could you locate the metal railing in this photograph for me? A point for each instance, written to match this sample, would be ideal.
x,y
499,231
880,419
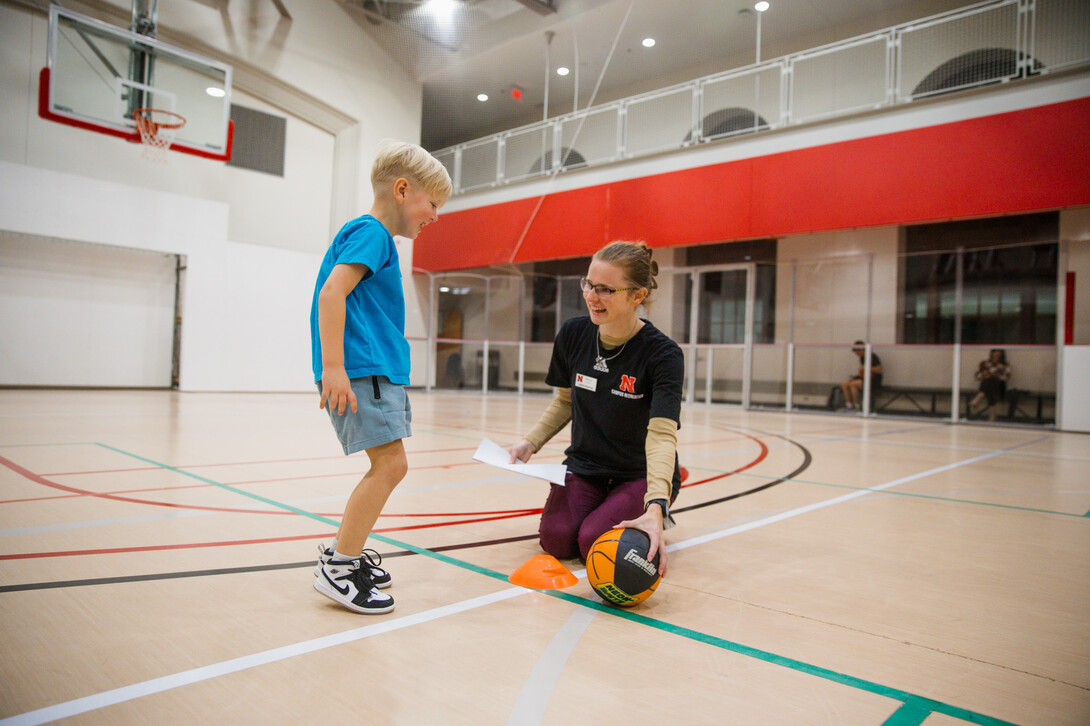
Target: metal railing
x,y
987,43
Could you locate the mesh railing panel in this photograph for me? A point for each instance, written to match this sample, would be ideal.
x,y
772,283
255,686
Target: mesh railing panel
x,y
595,139
962,52
729,103
658,122
525,152
1061,33
840,80
479,164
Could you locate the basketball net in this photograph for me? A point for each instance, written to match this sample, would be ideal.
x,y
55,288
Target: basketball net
x,y
157,129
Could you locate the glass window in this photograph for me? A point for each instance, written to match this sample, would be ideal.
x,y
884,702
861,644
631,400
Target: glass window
x,y
1009,268
543,308
723,306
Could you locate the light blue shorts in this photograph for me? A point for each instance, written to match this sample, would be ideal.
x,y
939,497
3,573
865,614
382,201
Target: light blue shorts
x,y
383,415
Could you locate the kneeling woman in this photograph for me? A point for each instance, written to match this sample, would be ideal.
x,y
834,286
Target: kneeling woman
x,y
618,381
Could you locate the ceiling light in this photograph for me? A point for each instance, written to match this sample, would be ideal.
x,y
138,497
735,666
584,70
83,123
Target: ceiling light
x,y
761,6
562,71
215,92
648,42
441,8
482,96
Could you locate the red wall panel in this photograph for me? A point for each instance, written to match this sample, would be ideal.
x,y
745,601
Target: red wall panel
x,y
1020,161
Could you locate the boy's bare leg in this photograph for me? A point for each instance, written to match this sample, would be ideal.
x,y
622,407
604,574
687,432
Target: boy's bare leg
x,y
388,467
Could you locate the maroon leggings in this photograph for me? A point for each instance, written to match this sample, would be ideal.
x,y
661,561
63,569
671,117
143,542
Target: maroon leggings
x,y
585,508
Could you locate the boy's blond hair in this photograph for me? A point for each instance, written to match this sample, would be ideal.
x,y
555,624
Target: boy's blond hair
x,y
401,159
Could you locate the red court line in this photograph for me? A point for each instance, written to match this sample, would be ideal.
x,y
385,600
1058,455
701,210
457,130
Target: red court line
x,y
192,545
196,486
501,514
113,495
246,463
26,473
159,548
755,462
132,500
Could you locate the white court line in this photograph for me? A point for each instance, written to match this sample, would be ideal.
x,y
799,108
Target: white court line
x,y
137,690
185,678
837,500
533,699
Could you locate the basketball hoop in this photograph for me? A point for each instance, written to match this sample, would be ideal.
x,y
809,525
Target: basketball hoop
x,y
157,129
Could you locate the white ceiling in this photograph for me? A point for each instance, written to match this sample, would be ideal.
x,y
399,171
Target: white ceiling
x,y
489,46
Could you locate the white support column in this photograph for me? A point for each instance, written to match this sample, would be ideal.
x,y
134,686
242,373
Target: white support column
x,y
955,383
694,320
522,365
747,354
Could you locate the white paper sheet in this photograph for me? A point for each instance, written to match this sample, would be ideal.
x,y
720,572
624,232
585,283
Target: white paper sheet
x,y
492,453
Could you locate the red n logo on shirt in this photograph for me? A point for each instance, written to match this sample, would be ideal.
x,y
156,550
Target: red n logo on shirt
x,y
628,383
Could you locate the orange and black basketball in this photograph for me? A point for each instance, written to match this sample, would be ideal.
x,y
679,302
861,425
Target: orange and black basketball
x,y
619,569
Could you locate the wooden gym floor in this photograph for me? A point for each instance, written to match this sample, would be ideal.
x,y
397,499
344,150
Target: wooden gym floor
x,y
157,551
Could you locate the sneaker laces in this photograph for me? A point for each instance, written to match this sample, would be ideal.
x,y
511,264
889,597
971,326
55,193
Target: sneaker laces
x,y
374,559
361,576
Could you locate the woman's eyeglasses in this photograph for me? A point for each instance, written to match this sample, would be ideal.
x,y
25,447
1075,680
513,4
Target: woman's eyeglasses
x,y
603,292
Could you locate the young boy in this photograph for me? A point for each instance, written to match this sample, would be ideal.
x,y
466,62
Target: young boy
x,y
361,359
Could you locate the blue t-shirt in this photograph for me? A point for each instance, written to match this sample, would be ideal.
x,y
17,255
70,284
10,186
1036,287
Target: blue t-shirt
x,y
374,324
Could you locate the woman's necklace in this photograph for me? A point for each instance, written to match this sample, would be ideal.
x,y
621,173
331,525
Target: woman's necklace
x,y
599,361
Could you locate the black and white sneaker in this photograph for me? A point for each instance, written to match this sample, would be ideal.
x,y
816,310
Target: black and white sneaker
x,y
348,584
371,560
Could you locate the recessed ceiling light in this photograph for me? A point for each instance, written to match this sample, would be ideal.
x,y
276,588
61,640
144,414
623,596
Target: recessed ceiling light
x,y
215,92
482,96
562,71
648,42
441,8
761,6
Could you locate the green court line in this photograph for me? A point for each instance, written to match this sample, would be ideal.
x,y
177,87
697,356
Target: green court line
x,y
910,714
913,704
228,487
893,493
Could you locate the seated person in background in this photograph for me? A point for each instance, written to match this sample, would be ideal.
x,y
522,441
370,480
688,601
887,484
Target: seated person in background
x,y
992,374
853,387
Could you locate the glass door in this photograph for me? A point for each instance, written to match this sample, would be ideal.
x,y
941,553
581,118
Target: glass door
x,y
718,333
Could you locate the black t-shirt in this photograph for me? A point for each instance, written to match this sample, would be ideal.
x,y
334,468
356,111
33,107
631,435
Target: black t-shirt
x,y
610,410
875,378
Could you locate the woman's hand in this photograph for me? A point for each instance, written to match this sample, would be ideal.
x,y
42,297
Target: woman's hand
x,y
650,522
521,451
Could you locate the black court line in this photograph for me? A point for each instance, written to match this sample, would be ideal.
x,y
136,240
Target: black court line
x,y
807,460
235,570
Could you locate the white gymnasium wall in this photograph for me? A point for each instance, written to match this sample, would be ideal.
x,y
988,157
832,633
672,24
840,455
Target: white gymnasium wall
x,y
253,241
832,270
245,308
76,314
1075,229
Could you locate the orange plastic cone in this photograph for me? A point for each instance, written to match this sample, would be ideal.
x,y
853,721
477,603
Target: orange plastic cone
x,y
543,572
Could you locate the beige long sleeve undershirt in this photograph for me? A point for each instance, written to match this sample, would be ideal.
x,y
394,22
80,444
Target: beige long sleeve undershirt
x,y
555,418
661,451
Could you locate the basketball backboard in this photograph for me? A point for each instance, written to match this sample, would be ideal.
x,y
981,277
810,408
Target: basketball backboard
x,y
98,75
